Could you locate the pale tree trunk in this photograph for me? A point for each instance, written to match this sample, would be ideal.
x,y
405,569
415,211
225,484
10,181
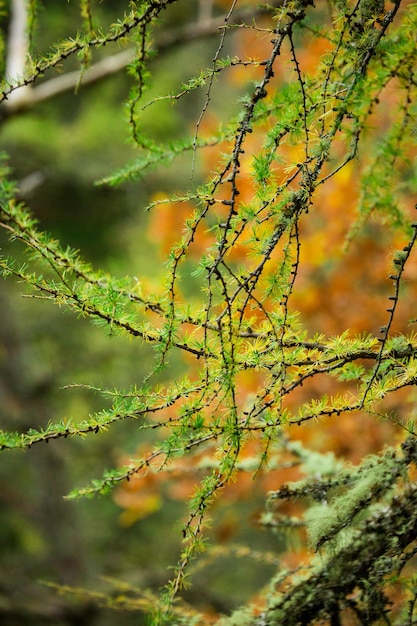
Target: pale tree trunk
x,y
17,50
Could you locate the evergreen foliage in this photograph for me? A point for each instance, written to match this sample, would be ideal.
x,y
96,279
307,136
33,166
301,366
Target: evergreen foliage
x,y
226,303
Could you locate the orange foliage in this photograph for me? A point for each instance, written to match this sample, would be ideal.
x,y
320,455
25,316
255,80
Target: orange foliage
x,y
338,286
140,496
167,223
349,282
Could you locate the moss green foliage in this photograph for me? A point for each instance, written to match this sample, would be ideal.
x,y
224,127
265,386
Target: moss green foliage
x,y
239,318
375,550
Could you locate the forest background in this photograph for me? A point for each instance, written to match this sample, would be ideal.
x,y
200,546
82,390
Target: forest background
x,y
115,170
